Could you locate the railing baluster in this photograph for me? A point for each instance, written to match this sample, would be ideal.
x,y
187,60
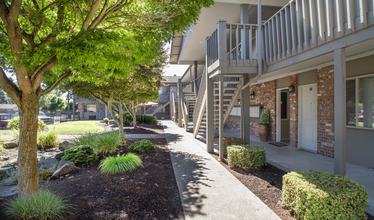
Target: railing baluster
x,y
250,45
322,20
293,20
330,20
283,32
288,30
351,15
299,24
306,24
230,39
313,21
340,17
266,42
279,37
244,39
237,45
271,51
363,11
274,32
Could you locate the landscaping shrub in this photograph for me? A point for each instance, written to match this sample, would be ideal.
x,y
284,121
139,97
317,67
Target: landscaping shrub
x,y
14,124
48,139
39,205
138,118
246,156
148,119
120,164
106,121
107,143
265,117
317,195
92,117
228,141
80,155
45,174
143,146
88,139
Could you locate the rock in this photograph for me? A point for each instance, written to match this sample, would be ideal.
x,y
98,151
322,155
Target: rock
x,y
59,156
10,144
64,167
5,158
47,164
64,145
4,172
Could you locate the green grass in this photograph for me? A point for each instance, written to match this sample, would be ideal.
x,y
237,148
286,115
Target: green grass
x,y
120,164
39,205
6,139
78,127
107,143
6,132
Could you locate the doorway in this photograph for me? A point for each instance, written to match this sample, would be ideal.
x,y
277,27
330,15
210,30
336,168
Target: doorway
x,y
283,110
308,117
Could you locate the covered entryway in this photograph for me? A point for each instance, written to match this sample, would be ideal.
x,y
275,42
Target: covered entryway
x,y
308,117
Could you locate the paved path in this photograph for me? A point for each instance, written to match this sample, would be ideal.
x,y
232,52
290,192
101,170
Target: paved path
x,y
142,136
207,189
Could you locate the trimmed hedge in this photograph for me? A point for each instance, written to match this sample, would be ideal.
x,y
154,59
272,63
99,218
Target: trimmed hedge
x,y
317,195
246,156
231,141
92,117
148,119
143,146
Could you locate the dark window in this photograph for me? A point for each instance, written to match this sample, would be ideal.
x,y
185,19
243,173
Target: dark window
x,y
284,105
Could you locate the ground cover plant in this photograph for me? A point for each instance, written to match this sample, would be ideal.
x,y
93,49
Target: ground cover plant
x,y
246,156
39,205
48,139
78,127
107,143
143,146
81,155
87,139
120,164
318,195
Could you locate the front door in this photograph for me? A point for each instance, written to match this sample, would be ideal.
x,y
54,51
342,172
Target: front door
x,y
308,111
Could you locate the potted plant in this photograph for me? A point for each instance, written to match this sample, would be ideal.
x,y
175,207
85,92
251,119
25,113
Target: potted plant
x,y
263,126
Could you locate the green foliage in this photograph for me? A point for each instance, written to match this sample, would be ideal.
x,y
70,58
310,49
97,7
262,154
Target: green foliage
x,y
265,117
39,205
80,155
246,156
48,139
317,195
228,141
45,174
148,119
143,146
88,139
57,103
92,117
4,98
120,164
106,121
107,143
15,123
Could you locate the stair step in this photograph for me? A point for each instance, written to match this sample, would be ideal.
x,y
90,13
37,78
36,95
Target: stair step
x,y
228,82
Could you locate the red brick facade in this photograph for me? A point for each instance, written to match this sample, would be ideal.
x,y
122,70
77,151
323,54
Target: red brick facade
x,y
101,109
265,94
233,123
81,110
294,113
325,111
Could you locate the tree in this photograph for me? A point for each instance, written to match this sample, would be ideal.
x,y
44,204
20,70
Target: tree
x,y
45,101
57,103
48,41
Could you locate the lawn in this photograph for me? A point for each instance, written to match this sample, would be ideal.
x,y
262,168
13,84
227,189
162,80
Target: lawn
x,y
78,127
6,132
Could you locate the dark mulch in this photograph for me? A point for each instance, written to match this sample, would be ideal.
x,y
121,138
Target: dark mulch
x,y
149,192
144,129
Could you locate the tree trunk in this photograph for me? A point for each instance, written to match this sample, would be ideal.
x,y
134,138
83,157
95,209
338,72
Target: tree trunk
x,y
28,175
117,120
134,114
120,118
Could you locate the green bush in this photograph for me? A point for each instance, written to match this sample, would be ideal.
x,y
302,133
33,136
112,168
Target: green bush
x,y
14,124
143,146
139,118
92,117
120,164
246,156
107,143
317,195
45,174
48,139
88,139
228,141
106,121
80,155
148,119
265,117
39,205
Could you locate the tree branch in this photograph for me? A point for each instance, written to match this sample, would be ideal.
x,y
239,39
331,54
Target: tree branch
x,y
4,11
91,14
9,87
56,83
39,76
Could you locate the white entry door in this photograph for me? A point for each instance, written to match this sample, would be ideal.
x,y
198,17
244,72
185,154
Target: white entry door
x,y
308,119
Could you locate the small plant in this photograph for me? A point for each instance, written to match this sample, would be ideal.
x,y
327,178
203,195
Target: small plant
x,y
12,179
182,122
229,141
143,146
107,143
120,164
2,148
88,139
246,156
106,121
80,155
39,205
265,117
14,124
48,139
45,174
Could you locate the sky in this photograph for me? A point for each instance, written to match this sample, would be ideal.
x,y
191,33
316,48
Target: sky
x,y
178,70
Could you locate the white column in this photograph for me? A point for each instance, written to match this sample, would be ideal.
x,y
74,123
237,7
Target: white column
x,y
259,37
368,85
180,112
209,115
340,111
221,118
244,111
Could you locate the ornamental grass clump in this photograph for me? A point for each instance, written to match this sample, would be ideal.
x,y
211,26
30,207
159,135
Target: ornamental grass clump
x,y
246,156
143,146
39,205
107,143
48,139
120,164
80,155
318,195
88,139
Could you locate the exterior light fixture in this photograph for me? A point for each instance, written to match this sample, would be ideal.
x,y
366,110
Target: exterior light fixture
x,y
252,95
291,88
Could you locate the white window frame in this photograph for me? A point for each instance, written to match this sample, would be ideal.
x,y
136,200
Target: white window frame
x,y
356,102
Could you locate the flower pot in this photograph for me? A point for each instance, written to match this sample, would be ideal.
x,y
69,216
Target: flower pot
x,y
263,132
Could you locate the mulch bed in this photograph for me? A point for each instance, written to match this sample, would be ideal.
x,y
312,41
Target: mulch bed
x,y
149,192
144,129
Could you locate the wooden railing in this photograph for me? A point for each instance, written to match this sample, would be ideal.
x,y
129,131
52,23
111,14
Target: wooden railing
x,y
200,104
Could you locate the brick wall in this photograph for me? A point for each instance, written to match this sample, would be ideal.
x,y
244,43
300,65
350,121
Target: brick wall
x,y
233,123
101,109
265,95
81,110
325,111
293,112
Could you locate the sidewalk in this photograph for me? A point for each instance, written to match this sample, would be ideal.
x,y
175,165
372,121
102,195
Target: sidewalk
x,y
207,189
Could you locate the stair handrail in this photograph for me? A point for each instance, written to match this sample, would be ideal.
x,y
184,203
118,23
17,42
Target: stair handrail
x,y
160,107
184,108
199,100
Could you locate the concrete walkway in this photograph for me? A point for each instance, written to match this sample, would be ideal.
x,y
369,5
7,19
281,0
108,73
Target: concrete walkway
x,y
142,136
207,189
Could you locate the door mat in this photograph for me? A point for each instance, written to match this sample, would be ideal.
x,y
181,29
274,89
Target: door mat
x,y
278,144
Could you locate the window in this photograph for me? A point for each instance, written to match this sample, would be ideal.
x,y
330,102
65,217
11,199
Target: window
x,y
162,90
89,108
360,102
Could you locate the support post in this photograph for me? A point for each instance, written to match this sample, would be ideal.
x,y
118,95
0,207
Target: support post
x,y
221,118
209,115
259,37
244,111
222,48
340,111
179,88
245,34
73,107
